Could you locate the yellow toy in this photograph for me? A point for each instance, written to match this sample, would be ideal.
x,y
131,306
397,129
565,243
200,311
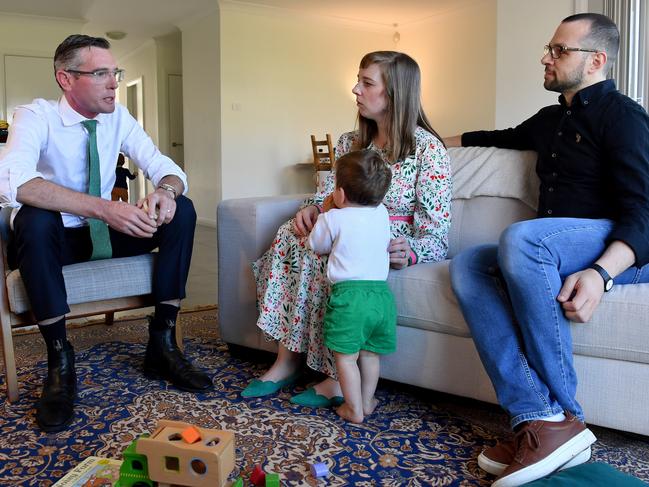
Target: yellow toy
x,y
172,459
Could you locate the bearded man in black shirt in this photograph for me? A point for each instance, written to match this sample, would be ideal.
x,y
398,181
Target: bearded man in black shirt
x,y
518,297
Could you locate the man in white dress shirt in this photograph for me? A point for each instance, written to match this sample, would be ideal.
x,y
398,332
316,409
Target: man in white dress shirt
x,y
45,177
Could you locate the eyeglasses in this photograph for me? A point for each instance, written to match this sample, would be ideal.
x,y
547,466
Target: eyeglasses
x,y
100,75
556,51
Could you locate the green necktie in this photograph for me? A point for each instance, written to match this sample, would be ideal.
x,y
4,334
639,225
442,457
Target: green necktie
x,y
101,248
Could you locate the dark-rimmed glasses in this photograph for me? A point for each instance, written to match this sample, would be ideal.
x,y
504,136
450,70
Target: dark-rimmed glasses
x,y
100,75
557,50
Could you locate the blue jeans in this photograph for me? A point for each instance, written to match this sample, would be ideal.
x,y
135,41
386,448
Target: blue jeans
x,y
508,292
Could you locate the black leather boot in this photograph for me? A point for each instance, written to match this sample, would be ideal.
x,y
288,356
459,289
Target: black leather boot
x,y
164,360
55,408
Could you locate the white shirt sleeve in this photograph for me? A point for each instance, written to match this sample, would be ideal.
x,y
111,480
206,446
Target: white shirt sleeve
x,y
321,238
139,147
19,158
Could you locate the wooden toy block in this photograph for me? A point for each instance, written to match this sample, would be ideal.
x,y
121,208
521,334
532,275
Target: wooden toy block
x,y
272,480
205,463
258,477
191,435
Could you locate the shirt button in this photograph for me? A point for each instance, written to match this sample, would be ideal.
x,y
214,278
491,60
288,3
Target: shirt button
x,y
550,189
554,155
568,112
585,102
560,134
549,212
554,174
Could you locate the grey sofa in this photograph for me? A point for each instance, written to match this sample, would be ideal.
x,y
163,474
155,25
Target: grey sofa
x,y
492,189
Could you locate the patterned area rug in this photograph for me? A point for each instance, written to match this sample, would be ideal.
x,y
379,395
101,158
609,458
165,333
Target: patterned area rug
x,y
414,438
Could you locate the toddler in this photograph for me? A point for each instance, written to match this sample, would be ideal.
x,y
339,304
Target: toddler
x,y
360,320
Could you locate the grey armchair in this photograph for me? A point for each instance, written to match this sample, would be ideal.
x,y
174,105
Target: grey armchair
x,y
93,288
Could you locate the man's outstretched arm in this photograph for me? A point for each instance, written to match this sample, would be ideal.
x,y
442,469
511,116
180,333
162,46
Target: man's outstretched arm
x,y
453,141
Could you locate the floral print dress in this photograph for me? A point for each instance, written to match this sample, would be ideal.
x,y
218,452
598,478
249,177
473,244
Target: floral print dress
x,y
292,284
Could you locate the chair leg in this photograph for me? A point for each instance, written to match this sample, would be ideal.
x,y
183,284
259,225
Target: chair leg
x,y
11,378
179,336
110,318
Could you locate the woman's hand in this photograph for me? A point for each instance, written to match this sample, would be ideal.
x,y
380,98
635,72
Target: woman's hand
x,y
399,250
328,203
304,221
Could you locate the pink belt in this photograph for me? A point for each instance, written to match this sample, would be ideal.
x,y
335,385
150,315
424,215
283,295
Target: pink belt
x,y
402,218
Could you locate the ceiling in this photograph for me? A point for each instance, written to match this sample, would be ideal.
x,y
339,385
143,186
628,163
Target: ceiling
x,y
379,12
144,19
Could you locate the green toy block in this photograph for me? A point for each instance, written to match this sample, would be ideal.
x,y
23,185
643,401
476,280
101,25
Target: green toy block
x,y
272,480
134,469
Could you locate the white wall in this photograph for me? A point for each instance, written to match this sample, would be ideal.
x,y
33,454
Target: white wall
x,y
141,63
201,113
30,36
523,28
456,54
283,78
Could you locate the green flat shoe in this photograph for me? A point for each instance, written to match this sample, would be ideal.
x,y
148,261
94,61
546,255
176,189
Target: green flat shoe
x,y
312,399
260,388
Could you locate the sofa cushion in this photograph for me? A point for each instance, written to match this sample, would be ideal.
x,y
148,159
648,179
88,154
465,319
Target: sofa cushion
x,y
488,171
482,219
492,188
619,329
93,281
425,299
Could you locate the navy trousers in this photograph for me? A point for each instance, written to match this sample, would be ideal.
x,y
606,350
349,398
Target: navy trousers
x,y
40,246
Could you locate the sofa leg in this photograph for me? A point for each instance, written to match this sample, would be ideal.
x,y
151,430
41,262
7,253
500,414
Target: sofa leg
x,y
250,354
110,318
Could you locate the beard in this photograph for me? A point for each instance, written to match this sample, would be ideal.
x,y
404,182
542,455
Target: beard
x,y
572,81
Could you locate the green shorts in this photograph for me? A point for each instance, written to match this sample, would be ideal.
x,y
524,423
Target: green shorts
x,y
361,315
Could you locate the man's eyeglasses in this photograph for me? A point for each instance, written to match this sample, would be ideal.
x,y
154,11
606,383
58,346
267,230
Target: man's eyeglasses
x,y
557,50
100,75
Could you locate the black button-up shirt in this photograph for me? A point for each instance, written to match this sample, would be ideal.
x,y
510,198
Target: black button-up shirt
x,y
593,160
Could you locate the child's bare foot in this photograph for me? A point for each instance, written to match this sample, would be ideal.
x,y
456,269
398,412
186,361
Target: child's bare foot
x,y
369,408
347,412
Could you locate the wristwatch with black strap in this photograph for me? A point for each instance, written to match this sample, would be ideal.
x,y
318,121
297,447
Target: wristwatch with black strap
x,y
608,280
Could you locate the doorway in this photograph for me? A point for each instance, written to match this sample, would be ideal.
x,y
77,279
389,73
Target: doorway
x,y
135,105
175,93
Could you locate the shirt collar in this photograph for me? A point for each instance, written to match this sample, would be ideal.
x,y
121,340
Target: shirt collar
x,y
69,116
591,93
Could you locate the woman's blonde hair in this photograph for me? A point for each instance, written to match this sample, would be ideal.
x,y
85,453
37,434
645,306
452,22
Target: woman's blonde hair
x,y
402,80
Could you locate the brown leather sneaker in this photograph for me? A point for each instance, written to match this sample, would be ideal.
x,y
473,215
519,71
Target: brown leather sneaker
x,y
543,447
496,459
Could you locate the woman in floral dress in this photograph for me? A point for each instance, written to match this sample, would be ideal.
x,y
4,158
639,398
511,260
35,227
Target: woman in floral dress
x,y
292,285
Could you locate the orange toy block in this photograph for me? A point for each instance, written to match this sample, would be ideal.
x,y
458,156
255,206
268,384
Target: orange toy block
x,y
191,435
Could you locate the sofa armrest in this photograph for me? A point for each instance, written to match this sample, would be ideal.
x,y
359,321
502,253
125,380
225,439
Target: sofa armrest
x,y
245,229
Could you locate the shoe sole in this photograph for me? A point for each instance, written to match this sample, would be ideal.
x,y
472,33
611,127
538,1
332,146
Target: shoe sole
x,y
559,457
157,376
497,468
56,428
59,427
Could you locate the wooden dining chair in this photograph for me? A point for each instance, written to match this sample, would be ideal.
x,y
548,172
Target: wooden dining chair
x,y
323,156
